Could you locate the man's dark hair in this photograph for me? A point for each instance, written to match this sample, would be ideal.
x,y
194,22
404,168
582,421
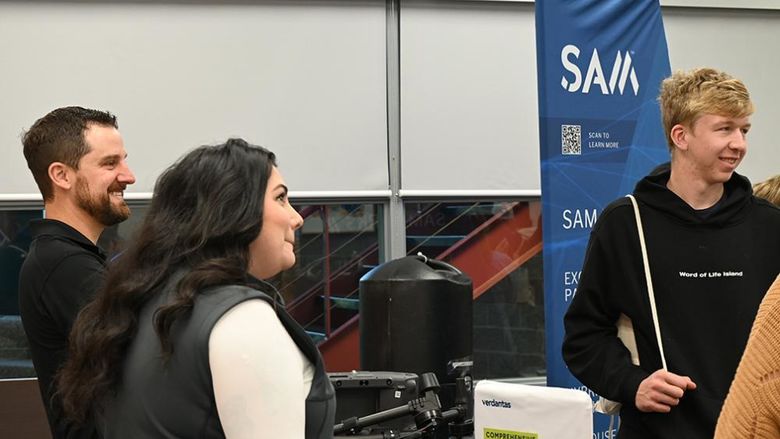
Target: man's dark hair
x,y
59,137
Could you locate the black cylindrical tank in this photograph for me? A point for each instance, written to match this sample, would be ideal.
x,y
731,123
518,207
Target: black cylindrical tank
x,y
415,316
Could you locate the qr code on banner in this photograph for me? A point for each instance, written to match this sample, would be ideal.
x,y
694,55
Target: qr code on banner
x,y
571,139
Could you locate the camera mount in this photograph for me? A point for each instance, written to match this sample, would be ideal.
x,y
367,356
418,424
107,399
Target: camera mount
x,y
430,421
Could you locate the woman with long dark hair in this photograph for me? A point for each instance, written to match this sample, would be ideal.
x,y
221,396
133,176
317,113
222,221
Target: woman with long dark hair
x,y
185,339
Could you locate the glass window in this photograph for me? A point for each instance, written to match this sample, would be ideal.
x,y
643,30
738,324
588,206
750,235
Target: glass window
x,y
15,238
336,246
498,244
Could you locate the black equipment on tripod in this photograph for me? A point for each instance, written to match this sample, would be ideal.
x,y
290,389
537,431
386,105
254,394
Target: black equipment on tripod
x,y
430,421
416,316
361,393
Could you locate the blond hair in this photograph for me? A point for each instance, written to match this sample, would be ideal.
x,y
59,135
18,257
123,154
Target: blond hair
x,y
686,96
769,190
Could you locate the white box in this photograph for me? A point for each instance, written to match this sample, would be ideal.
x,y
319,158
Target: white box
x,y
519,411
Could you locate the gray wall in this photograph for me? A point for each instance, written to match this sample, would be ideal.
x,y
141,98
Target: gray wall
x,y
305,79
745,43
308,79
468,97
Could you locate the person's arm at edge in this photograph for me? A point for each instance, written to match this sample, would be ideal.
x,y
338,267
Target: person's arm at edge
x,y
750,394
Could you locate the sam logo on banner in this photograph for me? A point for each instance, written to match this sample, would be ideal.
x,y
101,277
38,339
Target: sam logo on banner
x,y
622,72
600,65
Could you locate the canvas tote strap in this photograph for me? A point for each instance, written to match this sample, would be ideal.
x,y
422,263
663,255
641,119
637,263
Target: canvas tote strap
x,y
650,292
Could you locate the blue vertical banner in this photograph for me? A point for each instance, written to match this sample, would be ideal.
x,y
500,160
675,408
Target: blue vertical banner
x,y
600,64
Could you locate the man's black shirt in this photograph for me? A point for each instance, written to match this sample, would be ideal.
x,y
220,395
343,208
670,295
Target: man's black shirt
x,y
60,275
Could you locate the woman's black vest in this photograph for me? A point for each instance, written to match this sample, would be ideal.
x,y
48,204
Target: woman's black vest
x,y
176,400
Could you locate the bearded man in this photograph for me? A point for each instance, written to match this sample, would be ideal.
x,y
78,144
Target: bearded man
x,y
78,160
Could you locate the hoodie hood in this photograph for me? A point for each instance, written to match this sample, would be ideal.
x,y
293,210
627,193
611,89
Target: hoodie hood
x,y
738,192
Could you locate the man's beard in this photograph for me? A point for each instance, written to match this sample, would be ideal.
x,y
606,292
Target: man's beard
x,y
100,206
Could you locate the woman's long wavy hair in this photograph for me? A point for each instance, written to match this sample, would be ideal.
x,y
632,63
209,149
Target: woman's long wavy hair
x,y
206,210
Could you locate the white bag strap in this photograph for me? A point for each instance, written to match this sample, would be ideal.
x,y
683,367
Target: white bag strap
x,y
650,292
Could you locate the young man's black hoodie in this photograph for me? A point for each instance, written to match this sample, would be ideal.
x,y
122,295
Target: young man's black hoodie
x,y
710,270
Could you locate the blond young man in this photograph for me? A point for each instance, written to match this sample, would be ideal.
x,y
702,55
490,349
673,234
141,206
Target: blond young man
x,y
713,250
